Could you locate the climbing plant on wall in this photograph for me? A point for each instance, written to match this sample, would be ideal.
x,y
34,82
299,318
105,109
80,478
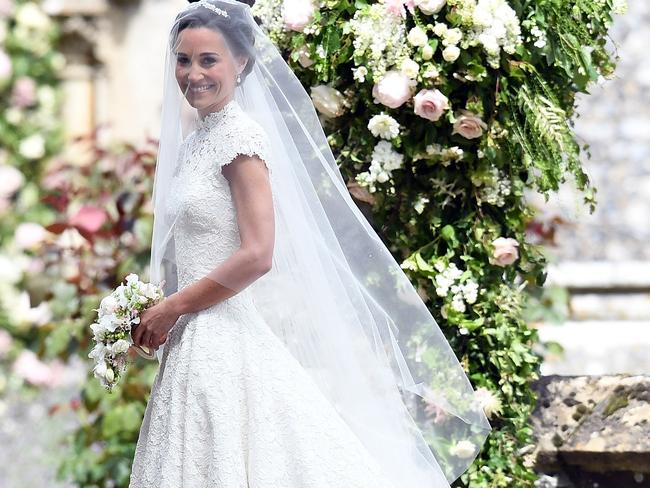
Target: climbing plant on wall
x,y
441,113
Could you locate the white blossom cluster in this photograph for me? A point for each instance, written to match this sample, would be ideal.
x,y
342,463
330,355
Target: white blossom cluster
x,y
419,204
493,24
446,155
495,190
450,280
271,12
112,331
384,160
384,126
379,37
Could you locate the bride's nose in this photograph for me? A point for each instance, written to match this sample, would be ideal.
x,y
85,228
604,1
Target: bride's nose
x,y
195,74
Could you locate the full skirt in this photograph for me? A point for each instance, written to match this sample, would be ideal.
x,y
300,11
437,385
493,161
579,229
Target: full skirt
x,y
230,407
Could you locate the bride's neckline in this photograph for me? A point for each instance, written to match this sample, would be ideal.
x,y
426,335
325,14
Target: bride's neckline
x,y
213,118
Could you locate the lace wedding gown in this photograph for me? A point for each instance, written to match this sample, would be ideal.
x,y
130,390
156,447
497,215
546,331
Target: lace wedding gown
x,y
230,407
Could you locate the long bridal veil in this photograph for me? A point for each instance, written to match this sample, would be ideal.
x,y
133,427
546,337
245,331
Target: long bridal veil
x,y
335,295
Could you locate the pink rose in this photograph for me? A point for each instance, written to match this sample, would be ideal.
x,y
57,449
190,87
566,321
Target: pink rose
x,y
430,104
24,92
29,367
505,250
393,89
469,125
297,14
88,218
396,7
6,8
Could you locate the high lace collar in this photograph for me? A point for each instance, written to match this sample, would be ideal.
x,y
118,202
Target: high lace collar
x,y
214,118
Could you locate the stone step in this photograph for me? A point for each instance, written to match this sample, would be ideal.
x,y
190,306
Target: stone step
x,y
593,428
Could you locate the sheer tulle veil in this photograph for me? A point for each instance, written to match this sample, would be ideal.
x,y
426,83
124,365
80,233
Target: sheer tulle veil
x,y
335,295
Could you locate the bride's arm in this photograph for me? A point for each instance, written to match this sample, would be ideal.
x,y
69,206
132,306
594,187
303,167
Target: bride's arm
x,y
251,193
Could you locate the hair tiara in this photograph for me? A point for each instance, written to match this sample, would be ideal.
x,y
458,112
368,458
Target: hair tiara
x,y
208,5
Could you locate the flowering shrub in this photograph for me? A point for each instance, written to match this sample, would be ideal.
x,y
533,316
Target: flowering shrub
x,y
95,228
441,113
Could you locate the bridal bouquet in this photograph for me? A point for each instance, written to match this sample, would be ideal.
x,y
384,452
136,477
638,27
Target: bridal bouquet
x,y
119,314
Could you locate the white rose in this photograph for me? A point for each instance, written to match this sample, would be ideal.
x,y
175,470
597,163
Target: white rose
x,y
430,104
451,53
452,36
32,147
410,68
469,125
327,100
430,7
297,14
393,89
417,37
440,29
505,251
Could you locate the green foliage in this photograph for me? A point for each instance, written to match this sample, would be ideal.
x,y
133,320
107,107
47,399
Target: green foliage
x,y
453,200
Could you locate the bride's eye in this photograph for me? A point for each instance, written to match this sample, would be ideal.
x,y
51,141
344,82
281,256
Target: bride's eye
x,y
209,60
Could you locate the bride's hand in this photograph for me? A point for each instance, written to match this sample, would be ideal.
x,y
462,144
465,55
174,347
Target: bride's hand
x,y
155,323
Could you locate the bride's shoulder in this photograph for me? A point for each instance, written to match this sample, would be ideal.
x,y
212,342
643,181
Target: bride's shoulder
x,y
249,125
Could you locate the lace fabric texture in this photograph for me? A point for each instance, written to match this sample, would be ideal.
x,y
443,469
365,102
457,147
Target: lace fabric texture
x,y
230,407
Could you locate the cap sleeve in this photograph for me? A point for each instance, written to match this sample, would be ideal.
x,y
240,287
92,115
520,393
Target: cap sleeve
x,y
249,138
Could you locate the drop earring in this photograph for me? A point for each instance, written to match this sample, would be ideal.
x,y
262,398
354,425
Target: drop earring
x,y
238,79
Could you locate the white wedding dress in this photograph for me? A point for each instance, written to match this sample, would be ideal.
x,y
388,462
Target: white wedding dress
x,y
230,407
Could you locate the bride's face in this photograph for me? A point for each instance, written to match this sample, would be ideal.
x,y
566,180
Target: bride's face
x,y
206,71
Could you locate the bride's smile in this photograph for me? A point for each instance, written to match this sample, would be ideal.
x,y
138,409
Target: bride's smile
x,y
205,69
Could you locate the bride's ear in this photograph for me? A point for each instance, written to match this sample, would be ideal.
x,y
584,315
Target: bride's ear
x,y
241,62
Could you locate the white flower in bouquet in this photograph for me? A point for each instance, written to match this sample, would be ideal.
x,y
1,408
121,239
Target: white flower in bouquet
x,y
117,313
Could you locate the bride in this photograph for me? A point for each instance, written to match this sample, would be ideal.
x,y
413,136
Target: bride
x,y
278,340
